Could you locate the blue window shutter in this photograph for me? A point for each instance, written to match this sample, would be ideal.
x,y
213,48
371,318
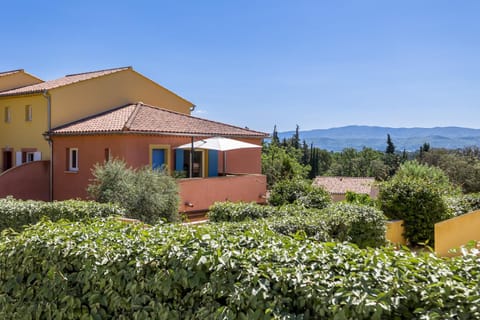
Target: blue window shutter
x,y
212,163
158,158
179,160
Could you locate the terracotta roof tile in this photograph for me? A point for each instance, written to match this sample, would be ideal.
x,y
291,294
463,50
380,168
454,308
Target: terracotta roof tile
x,y
142,118
52,84
340,185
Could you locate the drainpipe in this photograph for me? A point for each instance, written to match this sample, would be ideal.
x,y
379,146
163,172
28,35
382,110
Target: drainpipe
x,y
192,107
191,160
49,139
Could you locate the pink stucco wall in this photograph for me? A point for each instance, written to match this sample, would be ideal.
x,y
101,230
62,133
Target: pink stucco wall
x,y
135,150
199,194
27,181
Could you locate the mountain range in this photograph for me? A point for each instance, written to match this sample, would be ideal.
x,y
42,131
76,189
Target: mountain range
x,y
410,139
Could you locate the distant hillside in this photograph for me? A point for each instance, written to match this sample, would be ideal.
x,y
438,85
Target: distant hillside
x,y
410,139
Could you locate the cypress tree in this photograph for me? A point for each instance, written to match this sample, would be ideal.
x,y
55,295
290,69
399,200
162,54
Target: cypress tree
x,y
390,146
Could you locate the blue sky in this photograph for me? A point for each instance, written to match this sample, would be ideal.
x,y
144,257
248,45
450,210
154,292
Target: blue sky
x,y
318,64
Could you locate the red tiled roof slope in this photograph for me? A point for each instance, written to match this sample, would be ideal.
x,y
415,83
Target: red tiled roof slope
x,y
68,79
142,118
340,185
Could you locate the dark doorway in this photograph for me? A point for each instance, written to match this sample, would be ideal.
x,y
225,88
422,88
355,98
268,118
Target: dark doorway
x,y
7,160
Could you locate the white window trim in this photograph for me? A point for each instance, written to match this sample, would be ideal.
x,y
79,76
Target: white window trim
x,y
70,159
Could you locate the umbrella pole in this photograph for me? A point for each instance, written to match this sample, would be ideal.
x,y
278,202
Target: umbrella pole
x,y
191,160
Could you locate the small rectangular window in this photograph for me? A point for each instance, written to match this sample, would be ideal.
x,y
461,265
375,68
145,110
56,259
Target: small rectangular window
x,y
28,113
7,114
73,159
107,154
29,156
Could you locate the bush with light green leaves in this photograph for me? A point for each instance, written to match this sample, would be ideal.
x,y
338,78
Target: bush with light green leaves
x,y
109,270
17,214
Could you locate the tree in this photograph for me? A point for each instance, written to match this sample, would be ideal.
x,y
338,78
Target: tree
x,y
275,139
146,194
296,138
390,146
416,194
279,162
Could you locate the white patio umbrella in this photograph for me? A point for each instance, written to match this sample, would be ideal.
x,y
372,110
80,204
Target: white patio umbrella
x,y
220,144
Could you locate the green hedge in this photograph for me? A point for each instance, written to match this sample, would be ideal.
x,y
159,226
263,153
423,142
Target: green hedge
x,y
359,224
16,214
110,270
362,225
462,204
238,211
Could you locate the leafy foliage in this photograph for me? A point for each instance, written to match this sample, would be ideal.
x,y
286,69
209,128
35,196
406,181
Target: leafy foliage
x,y
362,225
238,211
360,198
299,191
416,201
146,194
461,204
280,162
432,175
16,214
462,166
110,270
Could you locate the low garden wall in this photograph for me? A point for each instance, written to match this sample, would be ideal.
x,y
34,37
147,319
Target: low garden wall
x,y
456,232
199,194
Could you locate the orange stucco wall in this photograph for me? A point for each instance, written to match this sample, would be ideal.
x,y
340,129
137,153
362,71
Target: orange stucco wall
x,y
134,149
395,231
456,232
28,181
200,194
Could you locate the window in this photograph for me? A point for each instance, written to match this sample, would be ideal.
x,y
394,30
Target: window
x,y
29,156
28,113
73,159
160,156
7,114
108,154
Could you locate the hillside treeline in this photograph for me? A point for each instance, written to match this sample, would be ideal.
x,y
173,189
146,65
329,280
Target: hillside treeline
x,y
291,157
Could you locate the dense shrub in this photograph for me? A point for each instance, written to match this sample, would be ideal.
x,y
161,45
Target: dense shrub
x,y
16,214
299,191
359,198
109,270
431,174
299,222
238,211
458,205
363,225
148,195
416,201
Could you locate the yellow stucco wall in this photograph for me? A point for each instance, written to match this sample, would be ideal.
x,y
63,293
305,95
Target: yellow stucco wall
x,y
456,232
395,232
72,102
16,80
18,133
